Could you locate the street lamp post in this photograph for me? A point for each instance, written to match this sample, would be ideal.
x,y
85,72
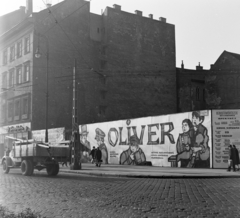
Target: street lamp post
x,y
38,55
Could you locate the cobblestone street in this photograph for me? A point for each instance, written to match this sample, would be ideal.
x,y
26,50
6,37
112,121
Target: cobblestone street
x,y
70,195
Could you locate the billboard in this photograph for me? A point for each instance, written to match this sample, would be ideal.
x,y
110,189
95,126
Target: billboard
x,y
54,135
226,127
182,140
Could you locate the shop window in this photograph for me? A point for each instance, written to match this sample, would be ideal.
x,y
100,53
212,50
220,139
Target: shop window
x,y
17,109
19,49
27,45
26,72
19,75
25,108
5,53
10,78
12,53
10,111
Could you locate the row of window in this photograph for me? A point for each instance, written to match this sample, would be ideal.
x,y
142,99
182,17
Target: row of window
x,y
16,50
18,75
15,109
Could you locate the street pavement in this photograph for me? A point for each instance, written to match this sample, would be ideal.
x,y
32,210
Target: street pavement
x,y
78,194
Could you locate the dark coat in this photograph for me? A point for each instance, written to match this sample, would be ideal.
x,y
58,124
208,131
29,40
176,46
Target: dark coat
x,y
98,155
235,155
93,152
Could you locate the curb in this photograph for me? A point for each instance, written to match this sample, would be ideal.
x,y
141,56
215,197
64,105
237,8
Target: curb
x,y
151,176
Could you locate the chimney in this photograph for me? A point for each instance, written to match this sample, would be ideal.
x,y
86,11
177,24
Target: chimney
x,y
117,7
48,3
182,65
150,16
163,19
137,12
199,67
29,7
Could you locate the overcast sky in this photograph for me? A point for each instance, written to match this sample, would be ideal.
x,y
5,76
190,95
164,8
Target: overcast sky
x,y
203,28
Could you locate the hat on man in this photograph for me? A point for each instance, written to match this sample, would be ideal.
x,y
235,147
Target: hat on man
x,y
84,130
133,139
99,133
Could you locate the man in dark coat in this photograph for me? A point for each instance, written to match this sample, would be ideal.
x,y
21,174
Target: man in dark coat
x,y
98,157
92,153
231,158
235,157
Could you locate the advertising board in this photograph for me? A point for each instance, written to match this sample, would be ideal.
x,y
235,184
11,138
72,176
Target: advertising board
x,y
182,140
226,130
54,135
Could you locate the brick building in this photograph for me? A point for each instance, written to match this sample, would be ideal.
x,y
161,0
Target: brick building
x,y
125,67
215,88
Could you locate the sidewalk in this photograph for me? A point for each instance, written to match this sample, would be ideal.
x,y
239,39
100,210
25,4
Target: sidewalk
x,y
149,171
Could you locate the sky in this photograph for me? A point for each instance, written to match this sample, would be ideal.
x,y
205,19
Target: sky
x,y
203,28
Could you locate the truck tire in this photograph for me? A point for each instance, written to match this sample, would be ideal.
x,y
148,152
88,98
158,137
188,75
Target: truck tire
x,y
25,168
31,167
6,169
53,169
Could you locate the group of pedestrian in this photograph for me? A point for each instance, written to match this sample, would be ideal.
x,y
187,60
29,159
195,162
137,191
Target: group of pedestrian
x,y
96,154
233,158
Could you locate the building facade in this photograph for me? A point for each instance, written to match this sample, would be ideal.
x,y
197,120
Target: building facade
x,y
125,67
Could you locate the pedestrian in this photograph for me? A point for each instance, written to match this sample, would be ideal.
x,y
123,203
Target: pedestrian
x,y
229,157
93,153
98,157
237,157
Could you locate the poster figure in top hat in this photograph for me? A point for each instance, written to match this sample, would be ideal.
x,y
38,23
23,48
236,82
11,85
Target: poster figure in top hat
x,y
86,147
134,154
100,135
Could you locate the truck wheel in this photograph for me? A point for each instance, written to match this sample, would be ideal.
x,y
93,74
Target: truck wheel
x,y
31,167
25,168
53,169
6,169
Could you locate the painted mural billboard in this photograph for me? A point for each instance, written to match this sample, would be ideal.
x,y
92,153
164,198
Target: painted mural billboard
x,y
177,140
226,130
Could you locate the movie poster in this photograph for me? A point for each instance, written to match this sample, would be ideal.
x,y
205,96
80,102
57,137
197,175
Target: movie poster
x,y
176,140
226,127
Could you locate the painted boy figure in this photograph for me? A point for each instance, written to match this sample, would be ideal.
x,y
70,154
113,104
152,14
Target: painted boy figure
x,y
184,143
134,155
201,150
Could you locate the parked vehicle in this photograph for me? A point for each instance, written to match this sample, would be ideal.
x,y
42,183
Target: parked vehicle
x,y
30,155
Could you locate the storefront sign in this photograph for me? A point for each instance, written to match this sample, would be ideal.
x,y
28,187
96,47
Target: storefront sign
x,y
23,127
226,130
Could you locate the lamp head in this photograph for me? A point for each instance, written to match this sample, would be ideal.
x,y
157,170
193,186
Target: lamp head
x,y
37,53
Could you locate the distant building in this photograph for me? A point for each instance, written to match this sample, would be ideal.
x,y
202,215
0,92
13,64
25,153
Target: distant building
x,y
125,67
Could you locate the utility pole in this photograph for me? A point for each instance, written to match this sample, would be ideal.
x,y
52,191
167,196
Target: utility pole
x,y
75,148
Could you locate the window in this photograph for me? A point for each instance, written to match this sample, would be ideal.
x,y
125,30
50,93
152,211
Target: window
x,y
4,80
26,72
3,112
12,53
19,49
10,78
25,108
27,45
197,94
4,57
102,110
10,110
19,75
16,109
